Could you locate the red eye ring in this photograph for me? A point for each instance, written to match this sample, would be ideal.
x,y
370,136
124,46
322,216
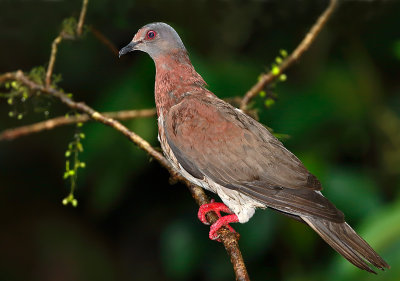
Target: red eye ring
x,y
151,34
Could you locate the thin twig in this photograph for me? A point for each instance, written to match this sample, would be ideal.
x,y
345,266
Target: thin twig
x,y
82,18
301,48
60,37
50,124
54,48
229,239
103,39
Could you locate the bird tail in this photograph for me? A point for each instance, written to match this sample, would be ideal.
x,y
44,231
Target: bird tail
x,y
347,242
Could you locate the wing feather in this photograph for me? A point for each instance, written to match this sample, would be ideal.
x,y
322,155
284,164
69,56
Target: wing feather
x,y
210,138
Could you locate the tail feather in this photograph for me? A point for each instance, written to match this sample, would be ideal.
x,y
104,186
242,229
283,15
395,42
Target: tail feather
x,y
347,242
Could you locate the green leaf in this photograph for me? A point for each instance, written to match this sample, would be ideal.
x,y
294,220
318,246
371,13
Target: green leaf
x,y
269,102
283,53
278,60
275,70
282,77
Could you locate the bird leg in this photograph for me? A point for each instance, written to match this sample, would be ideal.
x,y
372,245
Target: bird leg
x,y
222,221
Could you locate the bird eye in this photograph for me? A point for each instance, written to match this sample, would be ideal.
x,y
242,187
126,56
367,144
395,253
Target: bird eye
x,y
151,34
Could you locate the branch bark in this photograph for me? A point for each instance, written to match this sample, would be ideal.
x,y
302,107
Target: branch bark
x,y
50,124
82,16
297,53
54,48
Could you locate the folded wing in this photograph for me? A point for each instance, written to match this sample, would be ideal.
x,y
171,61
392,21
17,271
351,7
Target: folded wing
x,y
212,139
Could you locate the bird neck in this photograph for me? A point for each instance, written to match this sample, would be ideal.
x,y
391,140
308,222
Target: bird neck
x,y
175,78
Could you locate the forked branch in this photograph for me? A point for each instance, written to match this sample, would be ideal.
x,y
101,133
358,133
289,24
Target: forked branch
x,y
269,77
230,240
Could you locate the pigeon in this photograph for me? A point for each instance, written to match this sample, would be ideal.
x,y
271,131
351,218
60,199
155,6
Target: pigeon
x,y
220,148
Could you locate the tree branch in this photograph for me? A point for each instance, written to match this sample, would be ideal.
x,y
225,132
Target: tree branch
x,y
50,124
301,48
82,17
60,37
229,239
54,48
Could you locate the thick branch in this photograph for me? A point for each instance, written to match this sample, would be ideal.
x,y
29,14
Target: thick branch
x,y
50,124
230,240
301,48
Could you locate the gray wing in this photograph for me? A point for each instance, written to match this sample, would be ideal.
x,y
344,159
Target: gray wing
x,y
210,138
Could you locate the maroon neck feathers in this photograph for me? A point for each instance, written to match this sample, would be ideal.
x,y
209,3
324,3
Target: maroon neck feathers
x,y
175,78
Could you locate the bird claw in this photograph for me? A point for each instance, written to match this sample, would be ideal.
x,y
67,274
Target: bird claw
x,y
212,207
222,221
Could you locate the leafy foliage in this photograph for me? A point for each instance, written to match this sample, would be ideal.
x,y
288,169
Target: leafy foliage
x,y
73,164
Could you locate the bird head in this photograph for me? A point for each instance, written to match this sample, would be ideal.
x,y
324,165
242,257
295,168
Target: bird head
x,y
156,39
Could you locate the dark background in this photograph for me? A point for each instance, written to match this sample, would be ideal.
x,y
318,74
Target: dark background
x,y
340,106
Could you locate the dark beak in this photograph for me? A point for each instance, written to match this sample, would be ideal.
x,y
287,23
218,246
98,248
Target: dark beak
x,y
128,48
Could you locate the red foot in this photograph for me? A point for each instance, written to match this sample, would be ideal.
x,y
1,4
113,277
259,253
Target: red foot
x,y
222,221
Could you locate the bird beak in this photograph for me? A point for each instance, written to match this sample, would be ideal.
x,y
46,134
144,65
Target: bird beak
x,y
128,48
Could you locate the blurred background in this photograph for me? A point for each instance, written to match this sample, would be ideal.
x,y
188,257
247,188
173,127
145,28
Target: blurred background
x,y
340,106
